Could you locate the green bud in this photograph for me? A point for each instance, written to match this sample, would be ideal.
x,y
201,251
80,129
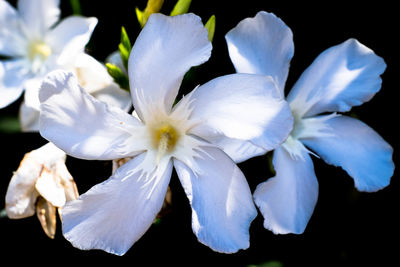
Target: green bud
x,y
181,7
210,26
124,47
153,6
118,75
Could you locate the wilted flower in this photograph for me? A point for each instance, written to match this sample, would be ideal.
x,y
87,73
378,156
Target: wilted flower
x,y
43,184
230,109
342,76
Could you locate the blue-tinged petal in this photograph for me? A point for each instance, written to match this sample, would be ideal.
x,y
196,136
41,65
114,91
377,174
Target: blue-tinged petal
x,y
342,76
12,42
358,149
238,150
113,215
287,200
13,75
164,51
246,107
222,205
83,126
38,15
262,45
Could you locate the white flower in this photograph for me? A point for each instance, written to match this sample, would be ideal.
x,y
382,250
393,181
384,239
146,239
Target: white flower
x,y
43,184
113,215
35,43
342,76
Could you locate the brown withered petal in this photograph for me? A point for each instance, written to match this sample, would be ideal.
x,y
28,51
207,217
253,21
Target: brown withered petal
x,y
46,214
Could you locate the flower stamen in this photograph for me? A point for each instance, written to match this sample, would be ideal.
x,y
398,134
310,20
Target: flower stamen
x,y
164,140
39,49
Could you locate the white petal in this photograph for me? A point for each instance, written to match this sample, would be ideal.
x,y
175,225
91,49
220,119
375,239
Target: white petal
x,y
30,107
92,74
262,45
242,106
164,51
358,149
38,15
12,78
94,129
113,215
68,39
222,205
287,200
113,95
238,150
11,40
342,76
28,118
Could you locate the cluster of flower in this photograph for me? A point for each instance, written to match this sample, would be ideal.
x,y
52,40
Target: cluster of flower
x,y
82,111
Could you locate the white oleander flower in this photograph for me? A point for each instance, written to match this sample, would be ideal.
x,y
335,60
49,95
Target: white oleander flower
x,y
342,76
113,215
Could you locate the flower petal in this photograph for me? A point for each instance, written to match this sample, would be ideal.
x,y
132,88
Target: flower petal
x,y
358,149
12,42
12,78
94,129
92,74
262,45
287,200
46,214
39,15
49,189
242,106
164,51
65,178
342,76
222,205
21,193
28,118
69,37
238,150
129,204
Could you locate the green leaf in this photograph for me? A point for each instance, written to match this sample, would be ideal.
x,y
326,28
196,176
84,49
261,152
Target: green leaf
x,y
153,6
181,7
76,7
210,26
124,47
118,75
10,124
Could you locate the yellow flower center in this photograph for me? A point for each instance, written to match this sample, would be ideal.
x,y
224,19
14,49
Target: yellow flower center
x,y
39,49
164,138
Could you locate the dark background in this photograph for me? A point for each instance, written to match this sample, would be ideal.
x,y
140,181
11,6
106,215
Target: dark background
x,y
347,227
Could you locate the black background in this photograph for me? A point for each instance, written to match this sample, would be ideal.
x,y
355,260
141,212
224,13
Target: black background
x,y
347,227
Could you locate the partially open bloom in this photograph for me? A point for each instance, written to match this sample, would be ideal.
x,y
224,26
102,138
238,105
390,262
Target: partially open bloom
x,y
43,184
34,43
113,215
342,76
